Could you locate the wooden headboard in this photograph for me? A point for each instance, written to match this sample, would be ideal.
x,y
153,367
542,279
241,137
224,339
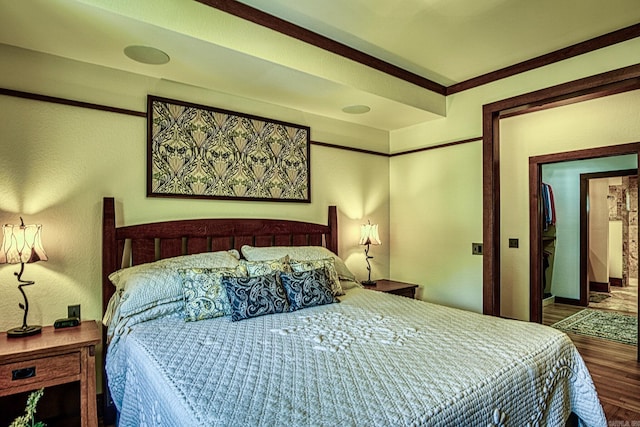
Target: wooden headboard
x,y
157,240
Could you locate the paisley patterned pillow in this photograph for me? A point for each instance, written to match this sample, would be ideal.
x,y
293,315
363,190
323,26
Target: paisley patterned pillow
x,y
255,296
307,288
204,295
327,263
300,253
261,268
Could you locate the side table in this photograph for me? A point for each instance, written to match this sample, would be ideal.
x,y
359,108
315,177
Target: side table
x,y
393,287
56,356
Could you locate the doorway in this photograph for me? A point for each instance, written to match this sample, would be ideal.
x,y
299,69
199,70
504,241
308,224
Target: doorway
x,y
603,85
614,286
579,297
609,221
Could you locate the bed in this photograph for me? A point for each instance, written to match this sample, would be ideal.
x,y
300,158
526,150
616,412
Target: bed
x,y
328,356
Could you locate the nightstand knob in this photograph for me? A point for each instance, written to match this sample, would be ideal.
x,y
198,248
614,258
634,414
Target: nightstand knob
x,y
23,374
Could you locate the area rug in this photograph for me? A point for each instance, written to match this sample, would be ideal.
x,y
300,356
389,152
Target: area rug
x,y
598,297
602,324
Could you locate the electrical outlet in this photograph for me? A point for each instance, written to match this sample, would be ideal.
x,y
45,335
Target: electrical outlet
x,y
73,311
476,248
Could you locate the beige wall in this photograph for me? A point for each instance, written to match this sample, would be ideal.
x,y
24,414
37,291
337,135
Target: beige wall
x,y
598,257
57,162
615,249
436,205
615,240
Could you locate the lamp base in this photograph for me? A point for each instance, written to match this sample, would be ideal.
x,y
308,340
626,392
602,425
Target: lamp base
x,y
24,332
368,283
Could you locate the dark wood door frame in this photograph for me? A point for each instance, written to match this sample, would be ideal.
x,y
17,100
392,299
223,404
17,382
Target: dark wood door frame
x,y
535,215
600,85
584,224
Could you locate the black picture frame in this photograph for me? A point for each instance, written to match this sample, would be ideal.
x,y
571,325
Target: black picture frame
x,y
197,151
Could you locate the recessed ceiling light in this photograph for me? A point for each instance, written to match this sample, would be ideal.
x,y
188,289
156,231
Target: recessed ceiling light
x,y
146,55
356,109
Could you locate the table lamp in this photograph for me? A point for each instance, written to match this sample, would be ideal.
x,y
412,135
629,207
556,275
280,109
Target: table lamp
x,y
369,236
22,244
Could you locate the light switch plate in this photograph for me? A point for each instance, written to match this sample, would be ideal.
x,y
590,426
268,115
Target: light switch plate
x,y
73,311
476,248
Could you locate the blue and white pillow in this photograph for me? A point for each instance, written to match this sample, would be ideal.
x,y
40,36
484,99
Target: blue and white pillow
x,y
307,288
326,263
255,296
204,295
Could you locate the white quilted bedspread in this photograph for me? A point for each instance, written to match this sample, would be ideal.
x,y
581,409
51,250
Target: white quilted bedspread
x,y
372,360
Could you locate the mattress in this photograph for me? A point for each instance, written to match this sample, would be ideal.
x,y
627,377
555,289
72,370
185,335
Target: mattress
x,y
372,359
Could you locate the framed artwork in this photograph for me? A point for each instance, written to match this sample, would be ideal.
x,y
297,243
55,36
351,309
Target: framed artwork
x,y
204,152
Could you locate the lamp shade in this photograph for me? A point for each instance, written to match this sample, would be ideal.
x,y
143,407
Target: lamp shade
x,y
22,244
369,234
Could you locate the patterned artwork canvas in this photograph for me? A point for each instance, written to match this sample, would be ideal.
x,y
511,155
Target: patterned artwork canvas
x,y
204,152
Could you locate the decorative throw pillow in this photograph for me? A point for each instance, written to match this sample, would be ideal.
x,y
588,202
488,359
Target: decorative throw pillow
x,y
327,263
307,288
204,295
261,268
255,296
300,253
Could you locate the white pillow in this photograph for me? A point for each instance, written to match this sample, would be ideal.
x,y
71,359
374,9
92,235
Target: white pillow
x,y
219,259
298,253
150,288
149,285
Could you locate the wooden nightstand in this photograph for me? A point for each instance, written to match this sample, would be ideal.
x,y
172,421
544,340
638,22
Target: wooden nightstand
x,y
56,356
393,287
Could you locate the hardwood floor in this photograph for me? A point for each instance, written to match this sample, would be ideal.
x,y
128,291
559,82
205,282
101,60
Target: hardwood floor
x,y
613,367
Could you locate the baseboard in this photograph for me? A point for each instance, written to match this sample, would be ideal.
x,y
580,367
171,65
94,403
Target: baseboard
x,y
568,301
615,281
599,286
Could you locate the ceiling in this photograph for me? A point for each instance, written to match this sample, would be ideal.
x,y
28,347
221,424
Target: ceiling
x,y
445,41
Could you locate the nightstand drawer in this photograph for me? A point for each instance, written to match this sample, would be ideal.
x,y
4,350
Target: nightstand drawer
x,y
39,370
